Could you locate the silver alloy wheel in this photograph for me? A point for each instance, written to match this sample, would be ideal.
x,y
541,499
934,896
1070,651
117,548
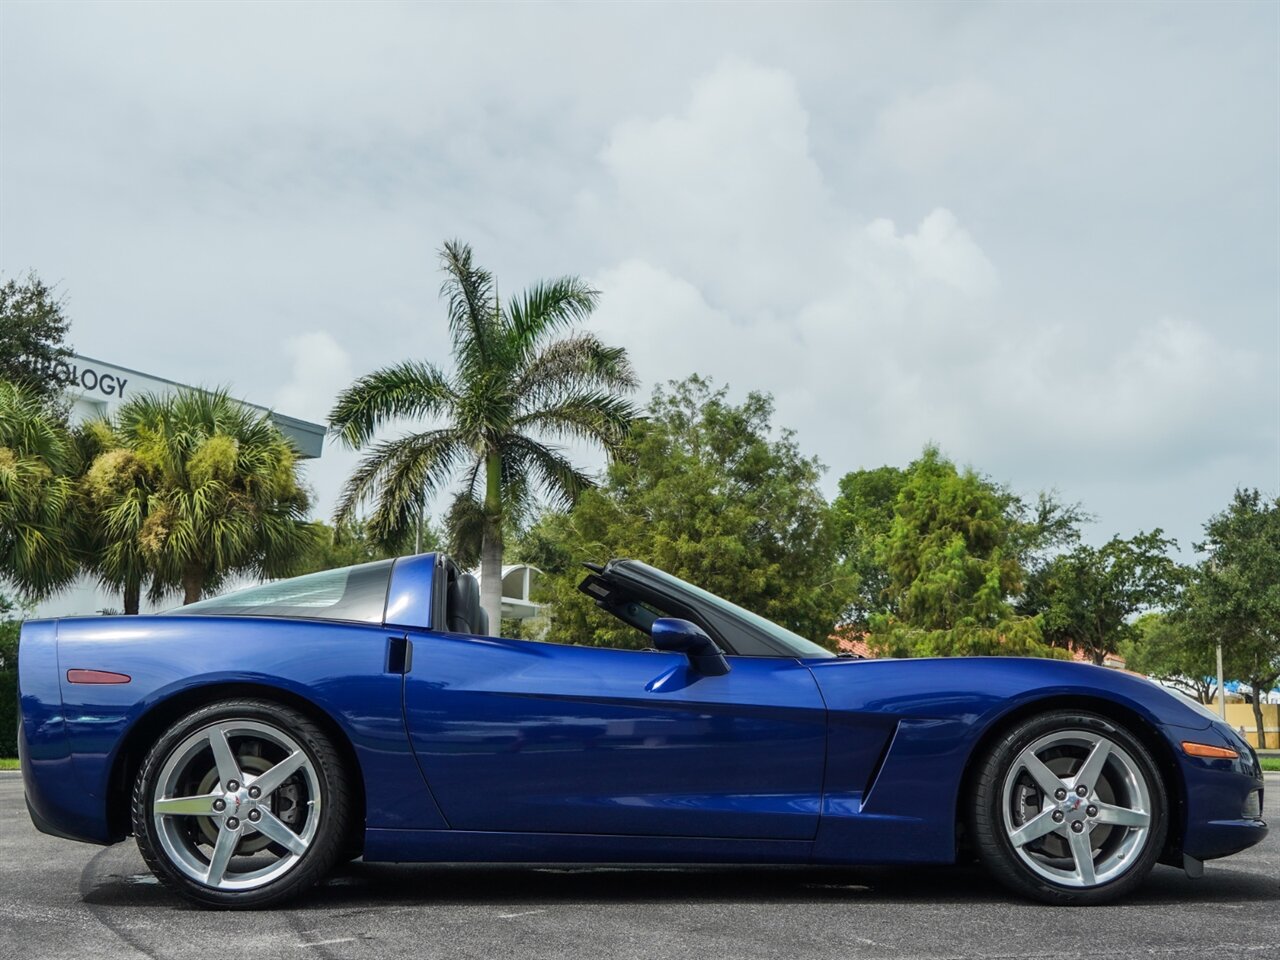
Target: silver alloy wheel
x,y
240,805
1077,808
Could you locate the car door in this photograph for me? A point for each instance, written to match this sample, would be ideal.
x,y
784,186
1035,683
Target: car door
x,y
517,735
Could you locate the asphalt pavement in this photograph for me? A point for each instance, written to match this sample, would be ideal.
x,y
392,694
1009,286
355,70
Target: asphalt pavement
x,y
66,900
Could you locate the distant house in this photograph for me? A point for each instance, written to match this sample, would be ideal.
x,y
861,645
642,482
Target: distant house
x,y
853,641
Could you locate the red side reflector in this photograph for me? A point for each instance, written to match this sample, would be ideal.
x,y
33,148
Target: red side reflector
x,y
1192,749
96,676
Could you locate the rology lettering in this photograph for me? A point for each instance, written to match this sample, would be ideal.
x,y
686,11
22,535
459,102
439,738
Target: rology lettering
x,y
87,378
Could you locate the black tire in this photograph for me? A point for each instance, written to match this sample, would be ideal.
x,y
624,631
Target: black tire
x,y
331,835
990,834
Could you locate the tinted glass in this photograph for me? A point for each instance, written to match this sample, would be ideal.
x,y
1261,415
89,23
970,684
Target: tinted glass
x,y
356,594
793,642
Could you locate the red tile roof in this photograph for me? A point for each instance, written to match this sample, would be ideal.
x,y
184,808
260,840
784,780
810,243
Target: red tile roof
x,y
850,640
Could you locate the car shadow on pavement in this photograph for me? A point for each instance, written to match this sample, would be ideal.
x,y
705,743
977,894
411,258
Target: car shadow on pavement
x,y
364,886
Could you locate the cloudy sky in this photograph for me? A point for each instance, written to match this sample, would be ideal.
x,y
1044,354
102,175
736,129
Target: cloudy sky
x,y
1046,237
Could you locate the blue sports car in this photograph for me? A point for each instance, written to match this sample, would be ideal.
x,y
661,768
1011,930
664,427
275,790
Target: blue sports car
x,y
251,741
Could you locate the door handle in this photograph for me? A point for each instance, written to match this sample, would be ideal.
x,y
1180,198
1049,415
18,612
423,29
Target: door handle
x,y
399,655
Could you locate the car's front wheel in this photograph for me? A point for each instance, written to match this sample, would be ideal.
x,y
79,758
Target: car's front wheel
x,y
1069,807
241,804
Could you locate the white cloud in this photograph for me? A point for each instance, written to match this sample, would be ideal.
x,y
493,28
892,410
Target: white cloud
x,y
941,126
319,367
941,250
726,189
876,340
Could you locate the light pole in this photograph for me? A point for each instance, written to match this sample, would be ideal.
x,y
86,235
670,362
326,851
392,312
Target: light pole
x,y
1222,694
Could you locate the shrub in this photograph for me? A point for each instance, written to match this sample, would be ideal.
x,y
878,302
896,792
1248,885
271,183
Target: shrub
x,y
9,630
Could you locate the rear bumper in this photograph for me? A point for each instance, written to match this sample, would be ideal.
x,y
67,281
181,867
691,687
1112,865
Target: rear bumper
x,y
56,797
52,829
51,791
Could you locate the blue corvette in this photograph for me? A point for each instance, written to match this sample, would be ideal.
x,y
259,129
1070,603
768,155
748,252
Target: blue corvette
x,y
253,740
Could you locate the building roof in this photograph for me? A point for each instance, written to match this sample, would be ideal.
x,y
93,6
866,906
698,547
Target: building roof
x,y
308,437
849,640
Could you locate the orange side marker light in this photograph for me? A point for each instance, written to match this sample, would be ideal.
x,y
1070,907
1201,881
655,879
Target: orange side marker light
x,y
1193,749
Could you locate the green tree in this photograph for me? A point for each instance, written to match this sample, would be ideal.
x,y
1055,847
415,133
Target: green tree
x,y
33,331
864,511
708,491
38,523
522,378
862,515
350,543
200,487
1164,646
10,628
1234,598
1088,597
954,554
115,497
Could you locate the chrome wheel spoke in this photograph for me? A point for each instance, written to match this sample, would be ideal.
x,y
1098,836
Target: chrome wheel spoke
x,y
1045,778
1122,816
228,766
278,774
1035,828
1087,775
186,806
1082,853
222,850
271,826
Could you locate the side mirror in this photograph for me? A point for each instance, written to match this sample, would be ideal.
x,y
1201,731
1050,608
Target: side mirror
x,y
705,657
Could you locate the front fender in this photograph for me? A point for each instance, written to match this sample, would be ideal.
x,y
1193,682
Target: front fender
x,y
930,715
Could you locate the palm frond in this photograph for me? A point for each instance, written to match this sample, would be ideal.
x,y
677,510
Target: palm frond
x,y
571,365
39,510
399,476
468,292
464,525
408,389
548,307
547,469
593,416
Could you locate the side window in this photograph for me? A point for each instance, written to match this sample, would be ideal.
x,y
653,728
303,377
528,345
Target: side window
x,y
356,594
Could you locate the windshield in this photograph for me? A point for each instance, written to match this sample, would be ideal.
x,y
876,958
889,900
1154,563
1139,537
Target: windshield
x,y
357,594
793,642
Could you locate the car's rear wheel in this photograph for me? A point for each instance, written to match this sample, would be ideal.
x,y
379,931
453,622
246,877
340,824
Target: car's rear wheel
x,y
1069,808
243,803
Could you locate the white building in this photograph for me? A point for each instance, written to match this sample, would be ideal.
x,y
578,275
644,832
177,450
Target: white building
x,y
96,389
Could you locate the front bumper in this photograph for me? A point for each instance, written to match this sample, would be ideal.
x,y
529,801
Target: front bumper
x,y
1222,817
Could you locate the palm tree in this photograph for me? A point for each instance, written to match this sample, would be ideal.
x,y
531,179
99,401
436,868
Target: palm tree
x,y
516,385
116,497
37,494
207,488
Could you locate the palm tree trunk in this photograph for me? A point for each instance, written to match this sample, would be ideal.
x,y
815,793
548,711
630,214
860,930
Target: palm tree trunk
x,y
192,585
491,546
132,596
